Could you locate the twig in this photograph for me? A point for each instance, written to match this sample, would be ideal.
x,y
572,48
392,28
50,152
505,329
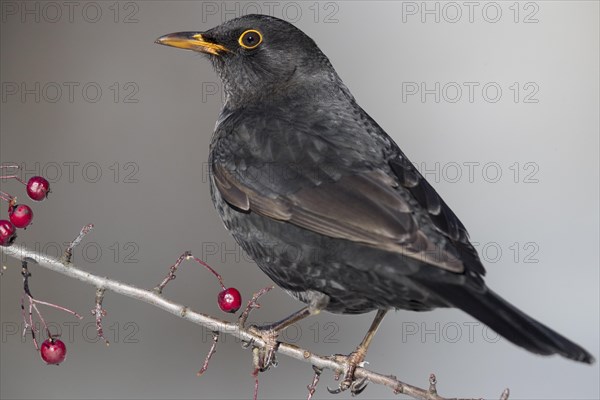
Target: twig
x,y
252,304
432,385
214,324
98,312
264,357
215,273
213,349
28,322
6,197
171,275
11,176
256,362
313,385
186,256
69,251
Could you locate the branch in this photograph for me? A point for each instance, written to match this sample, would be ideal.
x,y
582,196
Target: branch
x,y
220,326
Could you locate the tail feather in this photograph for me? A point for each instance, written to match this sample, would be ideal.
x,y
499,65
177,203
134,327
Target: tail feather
x,y
510,322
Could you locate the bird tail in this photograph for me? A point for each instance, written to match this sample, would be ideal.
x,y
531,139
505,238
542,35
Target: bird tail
x,y
510,322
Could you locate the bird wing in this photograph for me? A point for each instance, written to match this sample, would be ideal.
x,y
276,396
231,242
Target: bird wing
x,y
365,207
440,214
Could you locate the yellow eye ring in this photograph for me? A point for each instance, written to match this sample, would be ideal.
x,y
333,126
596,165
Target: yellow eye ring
x,y
250,39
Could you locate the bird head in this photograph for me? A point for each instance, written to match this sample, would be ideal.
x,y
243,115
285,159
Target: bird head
x,y
257,55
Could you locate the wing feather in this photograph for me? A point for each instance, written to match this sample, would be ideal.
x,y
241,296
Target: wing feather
x,y
364,208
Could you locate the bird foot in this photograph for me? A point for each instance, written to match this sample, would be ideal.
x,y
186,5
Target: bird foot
x,y
349,381
265,357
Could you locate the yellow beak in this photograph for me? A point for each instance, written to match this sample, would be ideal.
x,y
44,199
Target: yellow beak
x,y
191,41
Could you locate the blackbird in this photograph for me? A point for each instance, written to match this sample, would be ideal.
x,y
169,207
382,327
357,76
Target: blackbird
x,y
325,202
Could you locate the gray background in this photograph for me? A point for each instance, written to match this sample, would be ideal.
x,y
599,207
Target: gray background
x,y
159,205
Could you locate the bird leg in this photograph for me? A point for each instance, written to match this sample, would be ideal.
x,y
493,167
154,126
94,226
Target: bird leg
x,y
357,357
269,333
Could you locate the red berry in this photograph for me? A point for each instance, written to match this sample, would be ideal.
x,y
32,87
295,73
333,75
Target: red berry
x,y
53,351
20,215
230,300
38,188
8,233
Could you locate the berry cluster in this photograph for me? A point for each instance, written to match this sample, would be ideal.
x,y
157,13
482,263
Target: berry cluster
x,y
20,215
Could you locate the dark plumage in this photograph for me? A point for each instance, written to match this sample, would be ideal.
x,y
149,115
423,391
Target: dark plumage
x,y
324,201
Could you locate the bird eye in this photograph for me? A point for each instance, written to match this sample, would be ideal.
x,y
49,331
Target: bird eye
x,y
250,39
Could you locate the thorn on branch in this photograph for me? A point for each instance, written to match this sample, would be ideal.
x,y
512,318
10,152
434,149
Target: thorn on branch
x,y
98,312
213,349
68,254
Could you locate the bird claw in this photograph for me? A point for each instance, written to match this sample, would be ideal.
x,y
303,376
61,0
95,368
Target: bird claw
x,y
266,357
356,386
334,391
270,360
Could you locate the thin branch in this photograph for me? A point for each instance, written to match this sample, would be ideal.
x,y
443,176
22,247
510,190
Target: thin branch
x,y
215,324
252,304
186,256
313,385
11,175
171,275
256,370
211,352
99,312
6,197
69,251
28,323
